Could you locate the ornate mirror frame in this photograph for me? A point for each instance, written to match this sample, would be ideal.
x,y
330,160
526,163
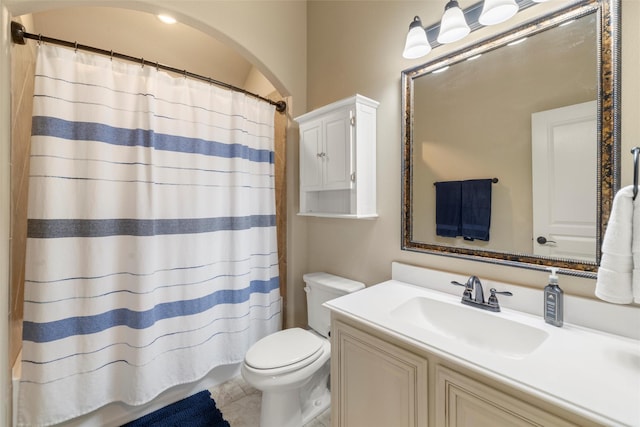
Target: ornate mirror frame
x,y
608,52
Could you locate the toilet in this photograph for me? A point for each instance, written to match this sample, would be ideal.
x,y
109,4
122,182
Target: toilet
x,y
291,367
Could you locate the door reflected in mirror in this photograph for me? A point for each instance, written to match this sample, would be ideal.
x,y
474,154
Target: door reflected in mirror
x,y
536,114
564,161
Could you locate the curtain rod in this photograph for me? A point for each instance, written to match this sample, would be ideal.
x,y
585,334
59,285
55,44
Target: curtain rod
x,y
19,34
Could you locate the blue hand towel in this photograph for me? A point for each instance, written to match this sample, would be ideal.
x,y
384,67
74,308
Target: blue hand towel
x,y
448,208
476,209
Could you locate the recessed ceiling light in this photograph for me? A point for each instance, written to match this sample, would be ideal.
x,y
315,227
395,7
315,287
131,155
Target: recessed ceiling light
x,y
167,19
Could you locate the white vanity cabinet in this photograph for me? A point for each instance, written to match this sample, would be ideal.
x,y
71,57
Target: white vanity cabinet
x,y
338,159
378,379
462,401
375,383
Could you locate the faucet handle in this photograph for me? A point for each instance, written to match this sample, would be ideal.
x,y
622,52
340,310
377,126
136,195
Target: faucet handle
x,y
493,300
468,287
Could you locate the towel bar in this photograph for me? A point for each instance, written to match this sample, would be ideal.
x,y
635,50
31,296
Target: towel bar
x,y
494,180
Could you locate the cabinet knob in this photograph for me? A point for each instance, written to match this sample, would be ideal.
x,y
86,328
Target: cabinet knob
x,y
321,155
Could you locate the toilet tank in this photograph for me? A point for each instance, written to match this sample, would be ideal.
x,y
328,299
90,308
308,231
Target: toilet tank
x,y
320,288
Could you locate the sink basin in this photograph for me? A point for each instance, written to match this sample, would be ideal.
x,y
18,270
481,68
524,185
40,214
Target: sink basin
x,y
472,326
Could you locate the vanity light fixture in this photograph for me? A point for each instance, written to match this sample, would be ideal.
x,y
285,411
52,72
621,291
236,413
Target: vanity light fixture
x,y
497,11
453,25
417,44
167,19
457,23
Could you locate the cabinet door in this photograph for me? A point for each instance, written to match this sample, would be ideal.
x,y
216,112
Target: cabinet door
x,y
464,402
337,149
311,149
374,383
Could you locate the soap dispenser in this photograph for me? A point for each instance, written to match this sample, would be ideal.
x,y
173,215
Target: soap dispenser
x,y
553,304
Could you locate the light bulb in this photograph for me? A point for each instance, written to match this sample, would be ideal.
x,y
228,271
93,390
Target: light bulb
x,y
167,19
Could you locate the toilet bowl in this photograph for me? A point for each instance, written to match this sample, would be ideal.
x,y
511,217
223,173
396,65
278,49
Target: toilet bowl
x,y
294,383
291,367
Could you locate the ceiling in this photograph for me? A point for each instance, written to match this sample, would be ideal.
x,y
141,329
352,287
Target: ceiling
x,y
141,34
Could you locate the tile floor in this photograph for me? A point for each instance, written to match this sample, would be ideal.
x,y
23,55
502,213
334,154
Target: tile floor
x,y
240,405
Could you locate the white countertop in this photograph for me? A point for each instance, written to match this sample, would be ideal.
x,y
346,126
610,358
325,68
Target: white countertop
x,y
592,373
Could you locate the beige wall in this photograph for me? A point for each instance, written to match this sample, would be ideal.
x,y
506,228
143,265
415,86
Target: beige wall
x,y
356,46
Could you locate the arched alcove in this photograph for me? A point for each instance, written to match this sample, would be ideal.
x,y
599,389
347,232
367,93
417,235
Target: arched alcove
x,y
252,67
253,34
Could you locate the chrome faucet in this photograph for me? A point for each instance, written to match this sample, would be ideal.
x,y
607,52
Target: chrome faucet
x,y
474,284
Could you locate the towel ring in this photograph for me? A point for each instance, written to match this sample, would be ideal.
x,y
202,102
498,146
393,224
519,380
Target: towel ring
x,y
635,152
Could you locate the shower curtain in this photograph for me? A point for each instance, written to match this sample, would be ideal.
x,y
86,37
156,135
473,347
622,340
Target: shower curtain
x,y
151,251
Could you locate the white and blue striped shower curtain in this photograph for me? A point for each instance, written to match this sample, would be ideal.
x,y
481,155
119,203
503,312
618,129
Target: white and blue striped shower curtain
x,y
151,250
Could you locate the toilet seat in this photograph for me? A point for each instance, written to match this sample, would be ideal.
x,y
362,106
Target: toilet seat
x,y
284,351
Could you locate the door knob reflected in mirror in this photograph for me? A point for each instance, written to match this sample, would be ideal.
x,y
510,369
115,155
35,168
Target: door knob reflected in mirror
x,y
543,240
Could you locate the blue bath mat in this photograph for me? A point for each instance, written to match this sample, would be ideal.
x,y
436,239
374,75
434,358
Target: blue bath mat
x,y
198,410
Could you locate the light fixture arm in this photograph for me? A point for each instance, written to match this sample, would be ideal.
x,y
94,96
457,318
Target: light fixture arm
x,y
471,14
415,23
450,4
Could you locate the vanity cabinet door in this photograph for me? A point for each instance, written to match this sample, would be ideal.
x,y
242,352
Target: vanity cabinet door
x,y
465,402
375,383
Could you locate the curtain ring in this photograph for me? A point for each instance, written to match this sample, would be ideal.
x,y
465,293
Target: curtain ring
x,y
142,62
157,65
75,47
185,73
111,55
40,38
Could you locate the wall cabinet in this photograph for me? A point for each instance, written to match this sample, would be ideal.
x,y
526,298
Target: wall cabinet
x,y
338,159
380,380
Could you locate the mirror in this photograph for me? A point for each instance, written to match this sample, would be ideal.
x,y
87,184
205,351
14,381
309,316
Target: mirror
x,y
537,108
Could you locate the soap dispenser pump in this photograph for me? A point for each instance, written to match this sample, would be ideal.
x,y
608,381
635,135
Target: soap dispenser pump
x,y
553,303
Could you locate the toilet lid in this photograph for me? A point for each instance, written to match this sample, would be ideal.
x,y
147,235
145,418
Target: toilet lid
x,y
283,348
